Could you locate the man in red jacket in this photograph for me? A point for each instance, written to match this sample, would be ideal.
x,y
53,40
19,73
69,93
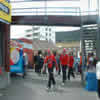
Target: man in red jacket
x,y
64,62
50,61
70,65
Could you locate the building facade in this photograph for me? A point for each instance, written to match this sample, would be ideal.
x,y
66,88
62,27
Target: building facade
x,y
43,33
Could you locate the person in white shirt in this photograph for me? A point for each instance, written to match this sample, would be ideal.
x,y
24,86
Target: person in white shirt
x,y
98,78
25,61
91,66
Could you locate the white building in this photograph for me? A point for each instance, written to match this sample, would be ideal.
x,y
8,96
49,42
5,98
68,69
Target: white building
x,y
42,33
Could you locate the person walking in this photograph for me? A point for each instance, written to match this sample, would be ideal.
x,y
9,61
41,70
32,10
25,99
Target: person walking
x,y
80,64
36,62
25,64
50,60
64,62
40,61
58,62
70,66
76,64
91,66
98,79
45,70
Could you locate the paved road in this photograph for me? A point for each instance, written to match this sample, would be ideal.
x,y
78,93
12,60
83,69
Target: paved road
x,y
34,88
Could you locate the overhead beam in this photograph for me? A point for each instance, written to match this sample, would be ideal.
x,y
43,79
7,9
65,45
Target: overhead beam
x,y
15,1
53,20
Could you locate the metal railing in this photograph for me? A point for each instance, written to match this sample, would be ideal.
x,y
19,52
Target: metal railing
x,y
20,1
64,11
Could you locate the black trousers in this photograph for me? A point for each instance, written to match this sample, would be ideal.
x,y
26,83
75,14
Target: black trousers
x,y
37,68
59,69
98,89
40,67
64,68
51,77
70,72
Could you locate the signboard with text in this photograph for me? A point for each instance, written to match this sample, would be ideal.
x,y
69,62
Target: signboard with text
x,y
5,11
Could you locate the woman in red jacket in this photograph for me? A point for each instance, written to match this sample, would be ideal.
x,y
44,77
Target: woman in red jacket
x,y
64,63
70,65
50,61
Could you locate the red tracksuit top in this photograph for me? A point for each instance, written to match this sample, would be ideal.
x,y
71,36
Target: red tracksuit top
x,y
64,59
71,61
49,60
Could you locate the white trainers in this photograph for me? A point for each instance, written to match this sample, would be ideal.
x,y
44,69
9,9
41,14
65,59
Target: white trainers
x,y
48,89
54,87
63,84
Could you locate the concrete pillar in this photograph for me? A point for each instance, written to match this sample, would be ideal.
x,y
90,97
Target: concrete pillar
x,y
98,44
98,33
5,51
7,46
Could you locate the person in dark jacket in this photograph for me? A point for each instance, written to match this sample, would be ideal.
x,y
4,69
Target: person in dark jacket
x,y
58,62
49,59
36,61
41,62
70,65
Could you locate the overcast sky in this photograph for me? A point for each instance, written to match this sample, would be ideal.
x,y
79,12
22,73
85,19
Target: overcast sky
x,y
19,31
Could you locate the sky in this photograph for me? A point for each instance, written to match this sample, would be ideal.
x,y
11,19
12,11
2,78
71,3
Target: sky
x,y
19,31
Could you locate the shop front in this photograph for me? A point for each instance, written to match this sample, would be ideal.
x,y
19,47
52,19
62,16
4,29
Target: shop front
x,y
5,20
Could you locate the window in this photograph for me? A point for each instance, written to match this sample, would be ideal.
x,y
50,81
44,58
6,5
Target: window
x,y
49,29
35,38
36,28
46,29
50,34
35,34
46,34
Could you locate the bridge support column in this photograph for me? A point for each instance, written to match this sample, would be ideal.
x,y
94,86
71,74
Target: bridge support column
x,y
98,45
98,33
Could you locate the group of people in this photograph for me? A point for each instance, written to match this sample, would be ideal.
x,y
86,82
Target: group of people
x,y
91,61
63,62
53,61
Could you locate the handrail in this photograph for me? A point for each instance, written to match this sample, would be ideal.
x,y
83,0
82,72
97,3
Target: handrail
x,y
47,12
53,10
47,8
21,1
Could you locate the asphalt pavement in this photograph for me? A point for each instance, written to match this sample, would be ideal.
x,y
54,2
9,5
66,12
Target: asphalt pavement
x,y
33,87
